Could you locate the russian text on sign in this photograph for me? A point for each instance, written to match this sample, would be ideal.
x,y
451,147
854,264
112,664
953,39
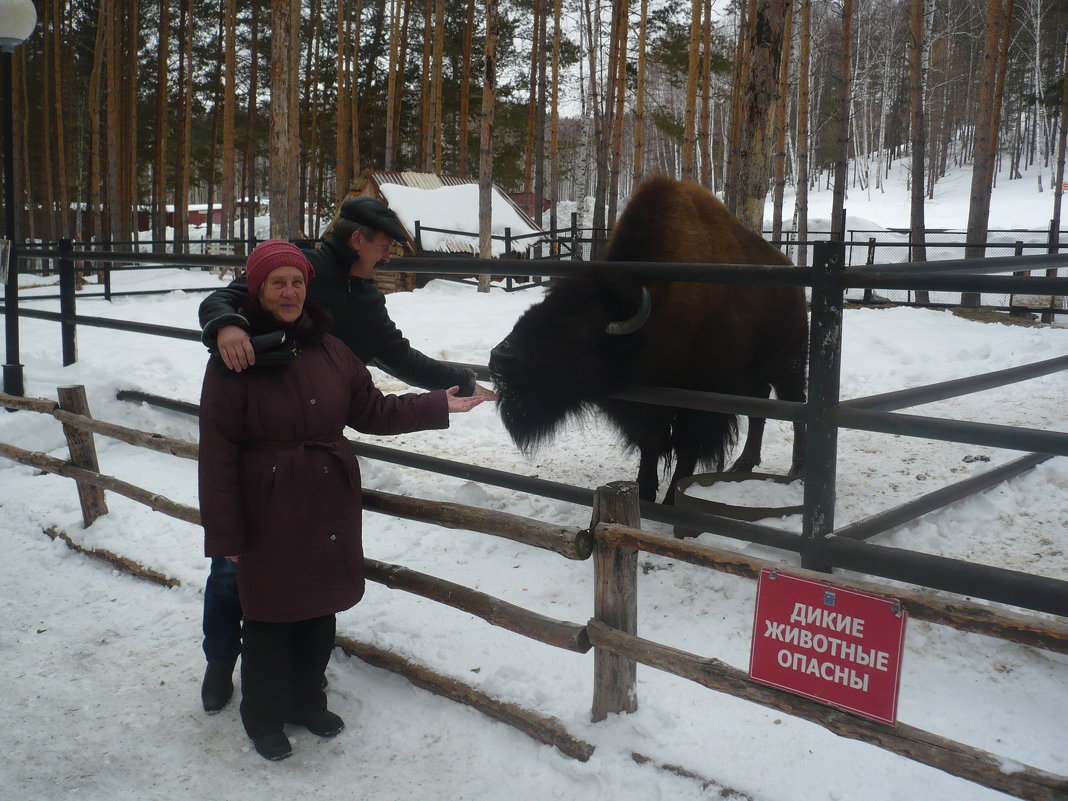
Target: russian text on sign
x,y
822,643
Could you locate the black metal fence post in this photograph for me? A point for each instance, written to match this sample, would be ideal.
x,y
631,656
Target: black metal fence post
x,y
575,254
13,377
106,267
67,303
869,293
825,360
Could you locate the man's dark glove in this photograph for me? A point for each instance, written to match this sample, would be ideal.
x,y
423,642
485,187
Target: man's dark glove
x,y
272,349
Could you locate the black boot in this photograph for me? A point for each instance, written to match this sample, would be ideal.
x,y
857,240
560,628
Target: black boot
x,y
273,746
322,723
217,688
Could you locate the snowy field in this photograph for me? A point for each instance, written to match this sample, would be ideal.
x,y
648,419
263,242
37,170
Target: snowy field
x,y
102,670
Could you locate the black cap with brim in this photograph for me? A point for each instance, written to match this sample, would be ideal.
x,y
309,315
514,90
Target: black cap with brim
x,y
374,214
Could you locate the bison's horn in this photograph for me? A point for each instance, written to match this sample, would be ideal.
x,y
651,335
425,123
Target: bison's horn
x,y
632,324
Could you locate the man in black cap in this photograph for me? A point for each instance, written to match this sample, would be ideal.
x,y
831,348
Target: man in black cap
x,y
345,266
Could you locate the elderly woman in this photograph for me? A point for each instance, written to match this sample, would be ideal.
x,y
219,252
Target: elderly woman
x,y
280,491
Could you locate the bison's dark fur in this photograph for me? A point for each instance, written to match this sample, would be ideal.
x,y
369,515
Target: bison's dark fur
x,y
562,357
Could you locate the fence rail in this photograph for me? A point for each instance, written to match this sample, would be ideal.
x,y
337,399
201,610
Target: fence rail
x,y
824,413
612,630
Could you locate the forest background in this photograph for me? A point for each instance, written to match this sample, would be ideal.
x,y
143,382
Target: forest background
x,y
135,105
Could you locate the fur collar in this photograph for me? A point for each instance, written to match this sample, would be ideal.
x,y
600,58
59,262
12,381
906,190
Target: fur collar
x,y
307,329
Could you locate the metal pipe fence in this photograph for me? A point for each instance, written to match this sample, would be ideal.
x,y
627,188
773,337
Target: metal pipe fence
x,y
824,412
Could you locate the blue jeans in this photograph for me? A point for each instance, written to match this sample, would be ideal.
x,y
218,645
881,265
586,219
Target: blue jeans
x,y
222,614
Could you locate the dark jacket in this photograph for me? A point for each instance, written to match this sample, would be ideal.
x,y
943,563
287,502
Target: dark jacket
x,y
279,484
360,321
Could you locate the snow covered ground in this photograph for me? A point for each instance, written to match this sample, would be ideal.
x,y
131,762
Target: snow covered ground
x,y
101,670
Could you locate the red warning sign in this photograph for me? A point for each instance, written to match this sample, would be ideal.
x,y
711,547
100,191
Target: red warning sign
x,y
831,644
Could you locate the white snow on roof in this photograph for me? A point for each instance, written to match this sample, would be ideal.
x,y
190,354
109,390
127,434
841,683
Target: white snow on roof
x,y
455,208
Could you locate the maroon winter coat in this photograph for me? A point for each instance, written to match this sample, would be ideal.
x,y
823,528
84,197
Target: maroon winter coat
x,y
279,484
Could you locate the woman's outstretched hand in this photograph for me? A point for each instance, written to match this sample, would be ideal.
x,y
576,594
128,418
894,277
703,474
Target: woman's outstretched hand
x,y
457,405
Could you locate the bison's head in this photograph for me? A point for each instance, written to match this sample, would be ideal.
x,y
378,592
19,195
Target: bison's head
x,y
567,352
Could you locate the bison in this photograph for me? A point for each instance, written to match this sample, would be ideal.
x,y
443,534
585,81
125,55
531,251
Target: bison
x,y
602,331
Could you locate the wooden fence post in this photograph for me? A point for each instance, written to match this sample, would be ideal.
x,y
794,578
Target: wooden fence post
x,y
615,604
82,453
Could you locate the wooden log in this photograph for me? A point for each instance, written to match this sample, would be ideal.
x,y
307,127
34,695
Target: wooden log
x,y
562,634
615,570
131,436
83,454
958,759
16,403
120,562
50,464
572,542
541,727
1038,631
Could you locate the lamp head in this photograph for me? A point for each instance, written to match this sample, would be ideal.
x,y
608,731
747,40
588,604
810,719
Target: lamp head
x,y
18,18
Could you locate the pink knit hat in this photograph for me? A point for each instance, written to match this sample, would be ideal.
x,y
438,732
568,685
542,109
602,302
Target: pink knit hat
x,y
270,255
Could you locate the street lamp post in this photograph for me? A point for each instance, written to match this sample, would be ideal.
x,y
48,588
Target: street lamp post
x,y
18,18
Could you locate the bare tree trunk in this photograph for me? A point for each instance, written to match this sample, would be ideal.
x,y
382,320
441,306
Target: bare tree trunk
x,y
343,167
841,122
1062,138
780,129
213,140
639,101
689,127
59,81
988,121
129,116
426,127
622,10
96,200
436,127
803,71
485,161
251,190
285,83
310,155
919,29
392,108
704,133
755,146
554,119
532,113
47,171
463,160
539,133
599,129
742,67
229,104
159,134
183,126
402,60
113,125
353,113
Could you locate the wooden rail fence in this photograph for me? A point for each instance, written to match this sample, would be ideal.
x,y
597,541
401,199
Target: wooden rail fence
x,y
614,539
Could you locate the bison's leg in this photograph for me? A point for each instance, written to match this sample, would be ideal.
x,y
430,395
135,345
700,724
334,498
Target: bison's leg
x,y
690,431
792,388
797,465
685,464
648,480
754,437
